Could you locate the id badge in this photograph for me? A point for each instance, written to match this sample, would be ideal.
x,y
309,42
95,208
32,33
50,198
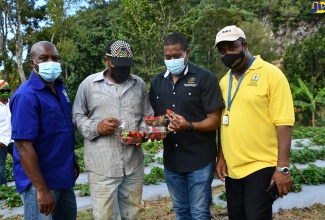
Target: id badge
x,y
225,120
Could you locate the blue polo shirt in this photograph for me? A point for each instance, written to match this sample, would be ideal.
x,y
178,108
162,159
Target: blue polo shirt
x,y
44,118
193,96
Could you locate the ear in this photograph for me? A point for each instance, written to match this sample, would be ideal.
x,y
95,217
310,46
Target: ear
x,y
33,64
245,45
188,52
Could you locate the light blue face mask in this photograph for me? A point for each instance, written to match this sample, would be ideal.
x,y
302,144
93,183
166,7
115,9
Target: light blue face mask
x,y
175,66
49,71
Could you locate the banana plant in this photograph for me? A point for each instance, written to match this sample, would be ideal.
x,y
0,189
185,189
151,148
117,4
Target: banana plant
x,y
310,103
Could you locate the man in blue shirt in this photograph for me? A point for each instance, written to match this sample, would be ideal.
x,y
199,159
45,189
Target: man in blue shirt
x,y
45,166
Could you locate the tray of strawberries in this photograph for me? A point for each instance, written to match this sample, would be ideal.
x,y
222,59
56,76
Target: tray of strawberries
x,y
130,137
156,132
155,120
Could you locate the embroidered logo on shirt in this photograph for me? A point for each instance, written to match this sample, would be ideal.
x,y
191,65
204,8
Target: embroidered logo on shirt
x,y
254,80
66,95
191,82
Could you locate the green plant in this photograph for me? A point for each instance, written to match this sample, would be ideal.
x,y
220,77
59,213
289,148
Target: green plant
x,y
11,197
80,154
160,160
9,168
314,175
84,189
300,143
155,176
307,155
308,101
223,196
148,158
151,147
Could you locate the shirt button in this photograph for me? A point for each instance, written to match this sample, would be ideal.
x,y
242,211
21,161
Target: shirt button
x,y
157,97
174,93
189,93
173,105
176,145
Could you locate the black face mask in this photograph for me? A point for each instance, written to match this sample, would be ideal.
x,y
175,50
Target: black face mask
x,y
120,74
233,61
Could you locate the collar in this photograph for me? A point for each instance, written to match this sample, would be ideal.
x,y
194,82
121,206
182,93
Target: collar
x,y
39,84
185,72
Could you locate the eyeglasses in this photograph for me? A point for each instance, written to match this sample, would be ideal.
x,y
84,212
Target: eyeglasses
x,y
4,90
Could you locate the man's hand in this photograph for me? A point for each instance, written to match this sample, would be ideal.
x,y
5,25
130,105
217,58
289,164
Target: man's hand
x,y
221,169
283,182
177,122
107,126
45,202
76,168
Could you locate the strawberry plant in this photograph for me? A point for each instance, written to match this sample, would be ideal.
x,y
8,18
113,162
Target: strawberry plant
x,y
160,160
307,155
83,187
11,197
155,176
8,168
151,147
148,158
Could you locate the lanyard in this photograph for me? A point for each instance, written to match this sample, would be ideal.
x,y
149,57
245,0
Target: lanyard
x,y
239,82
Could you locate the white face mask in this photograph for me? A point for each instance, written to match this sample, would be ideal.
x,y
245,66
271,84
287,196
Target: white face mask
x,y
176,66
49,71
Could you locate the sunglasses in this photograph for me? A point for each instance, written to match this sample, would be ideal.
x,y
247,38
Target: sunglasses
x,y
4,90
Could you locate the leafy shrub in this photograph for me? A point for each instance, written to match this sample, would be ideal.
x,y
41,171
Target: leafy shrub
x,y
155,176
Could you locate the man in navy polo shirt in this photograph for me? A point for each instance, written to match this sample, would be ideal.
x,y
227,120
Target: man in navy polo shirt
x,y
193,95
45,168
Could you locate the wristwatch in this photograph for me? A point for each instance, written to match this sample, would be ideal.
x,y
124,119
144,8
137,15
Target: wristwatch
x,y
284,170
190,128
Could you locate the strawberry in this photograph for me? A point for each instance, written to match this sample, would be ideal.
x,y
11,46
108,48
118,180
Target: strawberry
x,y
139,135
130,140
168,111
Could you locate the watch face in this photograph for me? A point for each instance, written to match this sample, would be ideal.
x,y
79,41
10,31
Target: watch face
x,y
284,170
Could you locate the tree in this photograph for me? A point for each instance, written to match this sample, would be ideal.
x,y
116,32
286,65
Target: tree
x,y
306,60
20,18
308,99
148,23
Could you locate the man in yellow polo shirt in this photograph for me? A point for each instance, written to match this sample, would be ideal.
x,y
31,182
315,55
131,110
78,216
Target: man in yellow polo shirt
x,y
255,132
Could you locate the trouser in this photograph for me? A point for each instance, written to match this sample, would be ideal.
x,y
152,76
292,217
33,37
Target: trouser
x,y
3,157
191,192
65,205
247,197
116,197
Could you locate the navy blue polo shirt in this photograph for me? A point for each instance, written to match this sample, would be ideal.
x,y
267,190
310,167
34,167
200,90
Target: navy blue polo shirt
x,y
194,95
40,116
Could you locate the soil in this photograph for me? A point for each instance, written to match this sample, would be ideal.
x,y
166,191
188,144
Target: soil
x,y
161,209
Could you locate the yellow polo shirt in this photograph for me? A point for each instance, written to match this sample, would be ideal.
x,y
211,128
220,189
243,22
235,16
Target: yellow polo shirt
x,y
262,102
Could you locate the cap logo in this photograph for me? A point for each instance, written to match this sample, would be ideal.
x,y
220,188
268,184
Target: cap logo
x,y
121,49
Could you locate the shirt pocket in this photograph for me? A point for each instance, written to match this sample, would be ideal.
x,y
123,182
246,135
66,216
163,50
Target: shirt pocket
x,y
190,98
136,106
49,120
